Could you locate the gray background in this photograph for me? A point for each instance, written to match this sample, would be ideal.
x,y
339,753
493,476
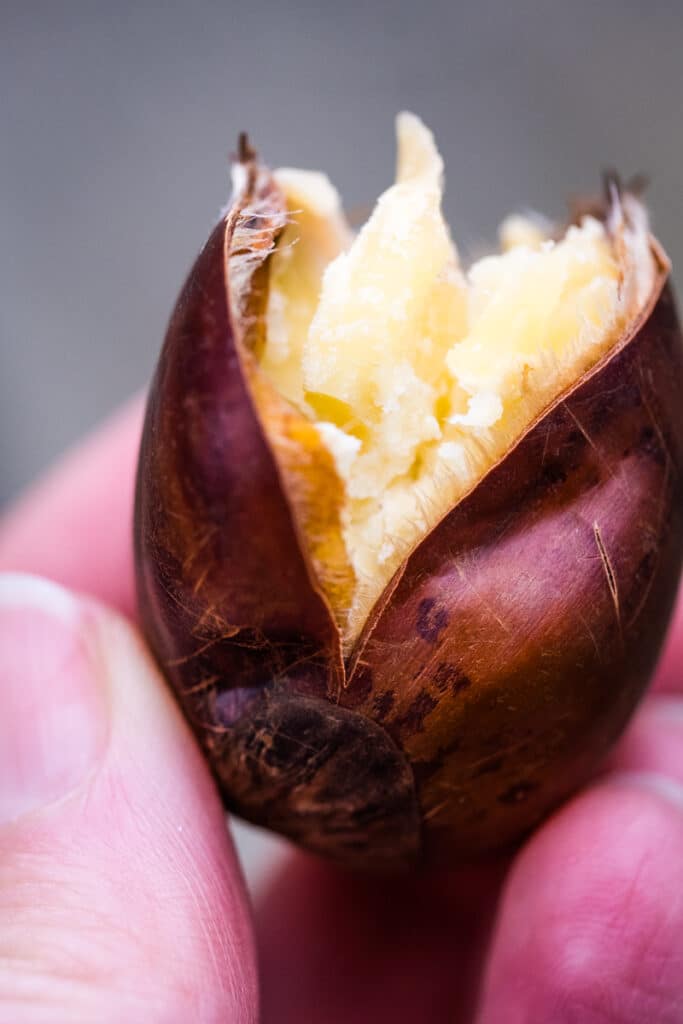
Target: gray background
x,y
116,120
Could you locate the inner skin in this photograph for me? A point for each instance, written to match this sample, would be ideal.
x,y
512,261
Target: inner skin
x,y
418,374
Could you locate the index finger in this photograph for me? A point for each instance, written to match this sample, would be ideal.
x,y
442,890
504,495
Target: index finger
x,y
75,524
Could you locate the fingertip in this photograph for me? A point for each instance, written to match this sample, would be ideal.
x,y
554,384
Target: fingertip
x,y
126,869
592,912
54,724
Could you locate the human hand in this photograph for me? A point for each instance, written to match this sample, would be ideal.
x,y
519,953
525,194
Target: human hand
x,y
120,895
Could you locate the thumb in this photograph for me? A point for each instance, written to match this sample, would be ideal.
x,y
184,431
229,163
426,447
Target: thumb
x,y
120,896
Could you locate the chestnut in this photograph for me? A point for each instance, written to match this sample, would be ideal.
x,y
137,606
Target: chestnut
x,y
408,537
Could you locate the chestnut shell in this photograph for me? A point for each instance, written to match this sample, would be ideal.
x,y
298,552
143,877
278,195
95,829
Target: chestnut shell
x,y
505,657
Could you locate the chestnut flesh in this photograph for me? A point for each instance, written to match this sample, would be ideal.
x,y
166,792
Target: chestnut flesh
x,y
506,653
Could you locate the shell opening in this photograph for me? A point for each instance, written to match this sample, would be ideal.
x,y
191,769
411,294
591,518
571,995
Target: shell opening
x,y
419,374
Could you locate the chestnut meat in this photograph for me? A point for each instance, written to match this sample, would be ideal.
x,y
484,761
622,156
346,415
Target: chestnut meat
x,y
408,537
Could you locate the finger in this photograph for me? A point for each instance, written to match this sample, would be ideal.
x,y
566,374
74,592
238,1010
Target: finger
x,y
120,898
75,525
591,919
337,947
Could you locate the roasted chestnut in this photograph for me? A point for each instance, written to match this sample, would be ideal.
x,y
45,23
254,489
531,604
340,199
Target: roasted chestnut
x,y
408,538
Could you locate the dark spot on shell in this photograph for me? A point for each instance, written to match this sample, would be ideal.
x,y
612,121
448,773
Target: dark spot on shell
x,y
515,794
383,703
431,620
413,718
442,676
450,677
460,682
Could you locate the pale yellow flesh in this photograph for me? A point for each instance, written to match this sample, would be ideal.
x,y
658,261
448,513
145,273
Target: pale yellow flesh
x,y
420,376
316,234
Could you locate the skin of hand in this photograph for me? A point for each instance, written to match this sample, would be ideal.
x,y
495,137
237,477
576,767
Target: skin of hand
x,y
120,894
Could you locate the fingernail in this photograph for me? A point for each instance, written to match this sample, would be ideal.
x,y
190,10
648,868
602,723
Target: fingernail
x,y
53,703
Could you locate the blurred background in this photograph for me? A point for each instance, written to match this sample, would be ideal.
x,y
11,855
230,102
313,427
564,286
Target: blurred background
x,y
117,120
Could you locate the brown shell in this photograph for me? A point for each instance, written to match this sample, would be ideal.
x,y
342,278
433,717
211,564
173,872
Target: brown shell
x,y
507,654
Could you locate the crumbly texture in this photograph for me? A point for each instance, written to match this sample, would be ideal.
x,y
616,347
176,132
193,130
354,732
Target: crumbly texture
x,y
315,235
421,376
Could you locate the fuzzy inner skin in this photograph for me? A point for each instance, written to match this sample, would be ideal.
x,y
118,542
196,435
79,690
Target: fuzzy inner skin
x,y
418,375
